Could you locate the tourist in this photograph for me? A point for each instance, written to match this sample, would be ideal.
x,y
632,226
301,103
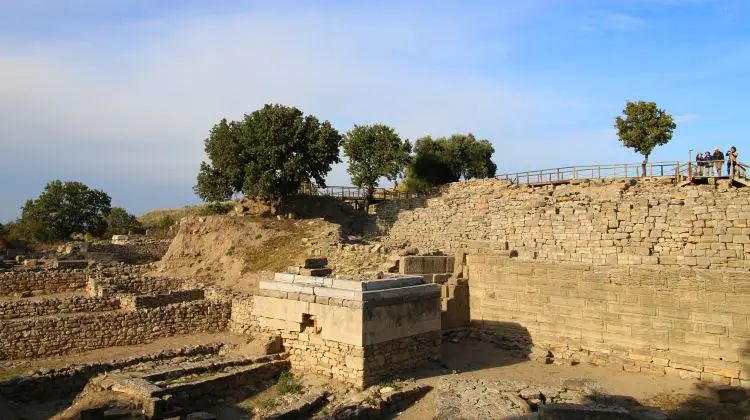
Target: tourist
x,y
732,156
708,163
718,158
728,161
699,164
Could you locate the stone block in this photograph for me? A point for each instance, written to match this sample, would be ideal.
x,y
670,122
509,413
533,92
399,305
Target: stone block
x,y
284,277
292,288
347,285
316,272
582,412
372,285
433,264
411,265
338,293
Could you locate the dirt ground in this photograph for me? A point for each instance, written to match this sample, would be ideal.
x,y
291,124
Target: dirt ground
x,y
682,399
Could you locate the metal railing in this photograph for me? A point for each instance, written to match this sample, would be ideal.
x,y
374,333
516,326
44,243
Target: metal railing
x,y
671,169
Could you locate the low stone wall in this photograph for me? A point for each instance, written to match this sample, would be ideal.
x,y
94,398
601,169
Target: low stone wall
x,y
41,282
310,353
384,359
689,322
42,307
132,284
64,382
131,302
64,334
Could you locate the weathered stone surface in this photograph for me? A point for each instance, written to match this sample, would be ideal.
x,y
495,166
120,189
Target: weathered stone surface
x,y
582,412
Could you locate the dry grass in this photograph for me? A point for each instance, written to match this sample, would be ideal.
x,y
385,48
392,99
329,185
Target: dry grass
x,y
154,217
276,253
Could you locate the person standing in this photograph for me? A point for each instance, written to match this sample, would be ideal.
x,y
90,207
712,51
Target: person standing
x,y
733,159
729,163
708,163
699,163
718,159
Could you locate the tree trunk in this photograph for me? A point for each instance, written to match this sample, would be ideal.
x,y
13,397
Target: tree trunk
x,y
643,165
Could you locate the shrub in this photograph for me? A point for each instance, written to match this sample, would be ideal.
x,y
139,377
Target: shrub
x,y
288,383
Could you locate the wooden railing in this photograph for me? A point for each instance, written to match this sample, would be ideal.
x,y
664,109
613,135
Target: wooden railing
x,y
671,169
354,193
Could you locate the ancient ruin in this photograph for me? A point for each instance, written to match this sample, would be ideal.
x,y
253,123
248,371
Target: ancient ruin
x,y
633,277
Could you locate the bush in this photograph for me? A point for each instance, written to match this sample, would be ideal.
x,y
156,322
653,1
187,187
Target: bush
x,y
288,383
216,208
120,222
165,222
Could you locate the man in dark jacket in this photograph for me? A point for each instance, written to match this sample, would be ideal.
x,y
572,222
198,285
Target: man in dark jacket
x,y
699,164
718,159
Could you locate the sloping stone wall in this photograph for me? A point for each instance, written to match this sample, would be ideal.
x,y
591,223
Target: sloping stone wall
x,y
651,222
662,320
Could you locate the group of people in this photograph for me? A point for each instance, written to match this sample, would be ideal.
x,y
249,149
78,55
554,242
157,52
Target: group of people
x,y
707,162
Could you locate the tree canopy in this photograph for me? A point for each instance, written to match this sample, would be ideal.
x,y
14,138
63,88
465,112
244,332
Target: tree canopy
x,y
643,126
267,154
443,160
62,209
120,222
374,152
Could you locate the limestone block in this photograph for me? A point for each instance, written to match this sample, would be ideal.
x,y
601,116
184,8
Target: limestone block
x,y
433,264
346,284
338,293
287,310
411,265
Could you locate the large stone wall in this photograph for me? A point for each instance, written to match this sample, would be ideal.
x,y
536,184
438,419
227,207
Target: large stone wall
x,y
41,282
63,334
658,319
136,250
649,222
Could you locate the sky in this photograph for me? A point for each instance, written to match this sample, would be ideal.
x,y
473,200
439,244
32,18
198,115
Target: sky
x,y
120,94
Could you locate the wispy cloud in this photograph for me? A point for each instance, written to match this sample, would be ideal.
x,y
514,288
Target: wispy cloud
x,y
599,20
686,118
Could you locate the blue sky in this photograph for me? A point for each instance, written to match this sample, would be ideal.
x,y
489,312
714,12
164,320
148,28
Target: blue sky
x,y
120,94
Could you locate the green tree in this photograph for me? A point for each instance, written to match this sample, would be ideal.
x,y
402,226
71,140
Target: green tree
x,y
3,231
268,154
120,222
62,209
443,160
374,152
643,126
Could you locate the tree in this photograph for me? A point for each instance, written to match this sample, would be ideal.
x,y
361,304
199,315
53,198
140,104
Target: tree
x,y
268,154
644,127
443,160
3,231
62,209
120,222
374,152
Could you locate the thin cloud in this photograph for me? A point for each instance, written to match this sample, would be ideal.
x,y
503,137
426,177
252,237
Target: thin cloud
x,y
599,20
680,119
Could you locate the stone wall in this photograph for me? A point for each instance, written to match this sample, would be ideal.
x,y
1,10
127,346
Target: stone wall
x,y
136,250
63,334
29,308
132,284
133,302
41,282
648,222
657,319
